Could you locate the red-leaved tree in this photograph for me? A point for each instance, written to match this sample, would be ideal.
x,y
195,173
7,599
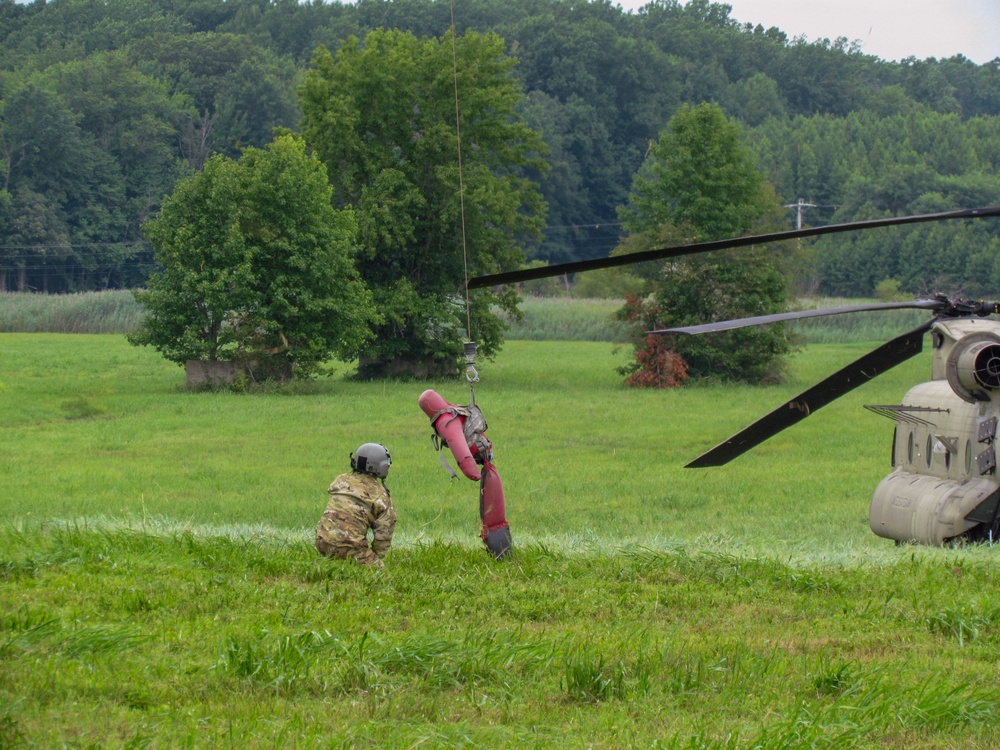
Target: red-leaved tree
x,y
655,365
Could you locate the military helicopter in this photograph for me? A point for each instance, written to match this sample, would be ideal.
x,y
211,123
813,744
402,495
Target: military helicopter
x,y
944,486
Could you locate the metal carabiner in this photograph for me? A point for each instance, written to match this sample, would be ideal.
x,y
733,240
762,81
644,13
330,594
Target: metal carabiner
x,y
471,374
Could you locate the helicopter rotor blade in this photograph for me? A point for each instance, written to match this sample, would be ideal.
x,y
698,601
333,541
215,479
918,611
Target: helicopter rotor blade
x,y
760,320
544,272
843,381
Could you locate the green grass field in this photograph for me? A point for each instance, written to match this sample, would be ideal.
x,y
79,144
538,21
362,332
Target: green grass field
x,y
158,587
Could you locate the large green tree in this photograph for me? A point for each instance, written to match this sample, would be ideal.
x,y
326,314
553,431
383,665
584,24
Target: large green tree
x,y
381,115
257,266
699,183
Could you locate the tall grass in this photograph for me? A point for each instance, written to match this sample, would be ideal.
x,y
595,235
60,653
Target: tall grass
x,y
543,318
264,645
864,326
570,319
86,312
567,319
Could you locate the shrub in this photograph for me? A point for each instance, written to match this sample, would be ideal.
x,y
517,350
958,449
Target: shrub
x,y
655,365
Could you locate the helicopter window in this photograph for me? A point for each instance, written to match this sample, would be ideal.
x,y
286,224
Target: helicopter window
x,y
930,446
968,456
909,449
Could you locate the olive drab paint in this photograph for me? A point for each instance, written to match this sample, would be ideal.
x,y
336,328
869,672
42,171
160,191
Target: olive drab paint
x,y
944,483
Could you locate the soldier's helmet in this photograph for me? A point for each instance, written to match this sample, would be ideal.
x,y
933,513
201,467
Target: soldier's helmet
x,y
371,458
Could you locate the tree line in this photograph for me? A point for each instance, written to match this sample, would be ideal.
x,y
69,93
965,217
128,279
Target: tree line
x,y
106,104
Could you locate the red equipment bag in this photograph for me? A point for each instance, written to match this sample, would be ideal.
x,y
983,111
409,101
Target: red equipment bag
x,y
461,429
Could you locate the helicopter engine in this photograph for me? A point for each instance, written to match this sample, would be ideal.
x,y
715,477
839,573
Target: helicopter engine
x,y
943,486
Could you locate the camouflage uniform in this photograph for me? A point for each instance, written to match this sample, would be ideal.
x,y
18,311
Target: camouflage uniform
x,y
358,502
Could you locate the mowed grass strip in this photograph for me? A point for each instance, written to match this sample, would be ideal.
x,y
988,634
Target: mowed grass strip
x,y
93,428
158,587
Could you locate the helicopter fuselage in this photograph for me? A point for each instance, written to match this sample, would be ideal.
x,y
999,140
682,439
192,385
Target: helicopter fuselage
x,y
944,485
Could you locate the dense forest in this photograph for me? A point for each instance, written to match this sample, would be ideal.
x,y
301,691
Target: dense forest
x,y
105,104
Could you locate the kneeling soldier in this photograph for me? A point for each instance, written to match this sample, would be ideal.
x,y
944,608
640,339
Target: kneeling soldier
x,y
359,501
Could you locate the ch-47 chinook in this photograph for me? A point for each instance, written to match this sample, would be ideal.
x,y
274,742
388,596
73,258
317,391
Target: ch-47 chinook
x,y
944,485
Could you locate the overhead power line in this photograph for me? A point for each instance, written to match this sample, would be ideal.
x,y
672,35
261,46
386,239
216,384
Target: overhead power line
x,y
128,243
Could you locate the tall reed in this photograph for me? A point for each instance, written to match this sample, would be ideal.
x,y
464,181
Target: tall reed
x,y
85,312
542,318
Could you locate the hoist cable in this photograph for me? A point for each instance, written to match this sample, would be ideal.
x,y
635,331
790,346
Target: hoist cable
x,y
461,183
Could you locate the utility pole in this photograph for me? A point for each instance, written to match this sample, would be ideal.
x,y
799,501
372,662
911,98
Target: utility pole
x,y
798,210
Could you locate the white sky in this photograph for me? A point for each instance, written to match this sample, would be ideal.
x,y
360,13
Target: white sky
x,y
890,29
